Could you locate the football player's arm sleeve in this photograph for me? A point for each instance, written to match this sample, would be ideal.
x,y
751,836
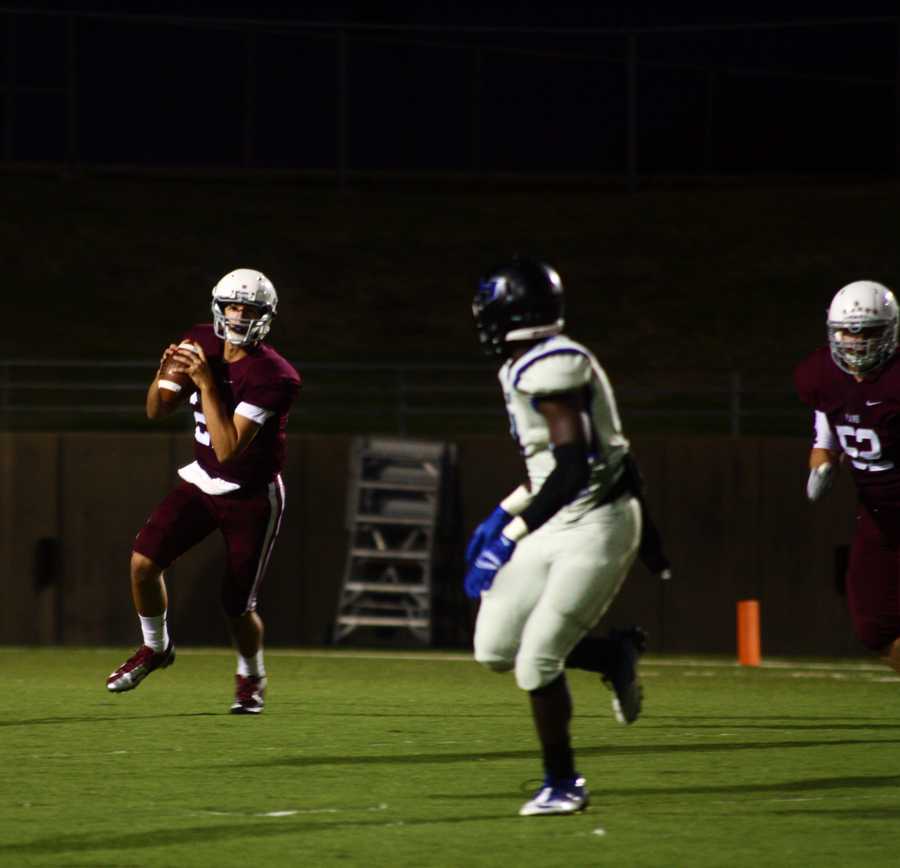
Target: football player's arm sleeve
x,y
555,385
561,487
650,549
566,479
571,470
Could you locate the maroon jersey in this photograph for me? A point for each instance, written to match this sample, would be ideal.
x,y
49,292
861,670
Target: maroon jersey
x,y
261,386
864,418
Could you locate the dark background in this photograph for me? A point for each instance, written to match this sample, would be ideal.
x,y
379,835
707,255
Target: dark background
x,y
695,175
455,87
703,181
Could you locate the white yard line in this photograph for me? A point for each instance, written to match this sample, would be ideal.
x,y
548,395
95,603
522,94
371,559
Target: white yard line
x,y
292,812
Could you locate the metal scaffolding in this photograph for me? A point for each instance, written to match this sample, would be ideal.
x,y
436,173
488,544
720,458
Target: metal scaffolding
x,y
393,508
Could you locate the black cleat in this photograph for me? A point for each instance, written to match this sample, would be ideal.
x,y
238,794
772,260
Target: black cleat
x,y
622,677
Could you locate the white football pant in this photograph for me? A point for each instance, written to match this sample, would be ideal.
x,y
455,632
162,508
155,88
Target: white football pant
x,y
559,582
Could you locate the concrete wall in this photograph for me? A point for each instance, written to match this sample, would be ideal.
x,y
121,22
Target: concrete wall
x,y
732,512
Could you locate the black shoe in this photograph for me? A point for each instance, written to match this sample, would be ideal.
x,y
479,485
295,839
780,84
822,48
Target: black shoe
x,y
622,677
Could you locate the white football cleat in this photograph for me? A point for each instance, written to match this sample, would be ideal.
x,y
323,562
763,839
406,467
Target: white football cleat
x,y
567,796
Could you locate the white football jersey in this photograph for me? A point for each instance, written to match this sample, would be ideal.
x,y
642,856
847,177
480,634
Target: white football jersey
x,y
555,366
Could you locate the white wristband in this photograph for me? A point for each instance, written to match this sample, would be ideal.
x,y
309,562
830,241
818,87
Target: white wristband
x,y
516,501
516,529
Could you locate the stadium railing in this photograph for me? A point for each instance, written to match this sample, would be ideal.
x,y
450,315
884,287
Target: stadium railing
x,y
403,399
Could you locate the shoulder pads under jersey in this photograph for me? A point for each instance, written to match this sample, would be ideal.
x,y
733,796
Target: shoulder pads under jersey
x,y
558,365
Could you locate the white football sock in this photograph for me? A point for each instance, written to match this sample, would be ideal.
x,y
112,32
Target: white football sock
x,y
156,634
252,666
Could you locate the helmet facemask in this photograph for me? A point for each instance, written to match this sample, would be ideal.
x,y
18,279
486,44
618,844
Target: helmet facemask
x,y
859,348
487,321
240,331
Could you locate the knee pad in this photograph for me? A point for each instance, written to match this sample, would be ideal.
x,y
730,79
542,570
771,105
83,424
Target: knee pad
x,y
533,673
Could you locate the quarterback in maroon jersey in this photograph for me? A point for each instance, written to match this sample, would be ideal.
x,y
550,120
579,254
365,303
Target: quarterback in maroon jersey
x,y
241,391
853,386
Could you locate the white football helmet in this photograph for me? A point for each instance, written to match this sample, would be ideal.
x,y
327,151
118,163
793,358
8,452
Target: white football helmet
x,y
862,326
244,286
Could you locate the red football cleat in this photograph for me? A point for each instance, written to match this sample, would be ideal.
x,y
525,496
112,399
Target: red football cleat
x,y
137,667
249,694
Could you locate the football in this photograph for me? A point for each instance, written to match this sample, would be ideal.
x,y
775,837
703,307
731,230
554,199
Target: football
x,y
175,384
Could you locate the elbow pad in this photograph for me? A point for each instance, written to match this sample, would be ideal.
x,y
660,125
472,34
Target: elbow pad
x,y
820,481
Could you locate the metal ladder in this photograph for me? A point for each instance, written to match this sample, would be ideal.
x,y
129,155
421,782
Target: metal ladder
x,y
393,507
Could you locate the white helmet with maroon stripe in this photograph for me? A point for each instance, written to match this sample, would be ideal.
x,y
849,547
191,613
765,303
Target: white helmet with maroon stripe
x,y
862,326
248,287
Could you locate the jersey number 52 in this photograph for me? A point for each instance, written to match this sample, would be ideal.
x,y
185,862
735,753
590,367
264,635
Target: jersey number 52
x,y
863,448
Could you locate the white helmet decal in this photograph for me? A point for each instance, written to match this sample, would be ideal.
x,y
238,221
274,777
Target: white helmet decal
x,y
862,326
244,286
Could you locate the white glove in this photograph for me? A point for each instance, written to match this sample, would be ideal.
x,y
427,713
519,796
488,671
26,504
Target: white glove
x,y
820,480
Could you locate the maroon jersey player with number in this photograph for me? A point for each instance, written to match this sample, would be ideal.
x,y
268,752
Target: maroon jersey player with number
x,y
853,385
241,392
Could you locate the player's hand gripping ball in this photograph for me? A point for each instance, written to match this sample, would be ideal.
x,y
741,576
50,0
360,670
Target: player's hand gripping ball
x,y
174,382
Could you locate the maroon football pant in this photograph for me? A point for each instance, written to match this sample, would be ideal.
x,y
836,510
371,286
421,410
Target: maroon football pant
x,y
873,578
248,521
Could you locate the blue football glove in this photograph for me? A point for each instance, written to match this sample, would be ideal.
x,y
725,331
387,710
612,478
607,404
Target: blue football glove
x,y
493,556
486,533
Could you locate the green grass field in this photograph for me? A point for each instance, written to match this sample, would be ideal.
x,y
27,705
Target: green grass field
x,y
423,760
